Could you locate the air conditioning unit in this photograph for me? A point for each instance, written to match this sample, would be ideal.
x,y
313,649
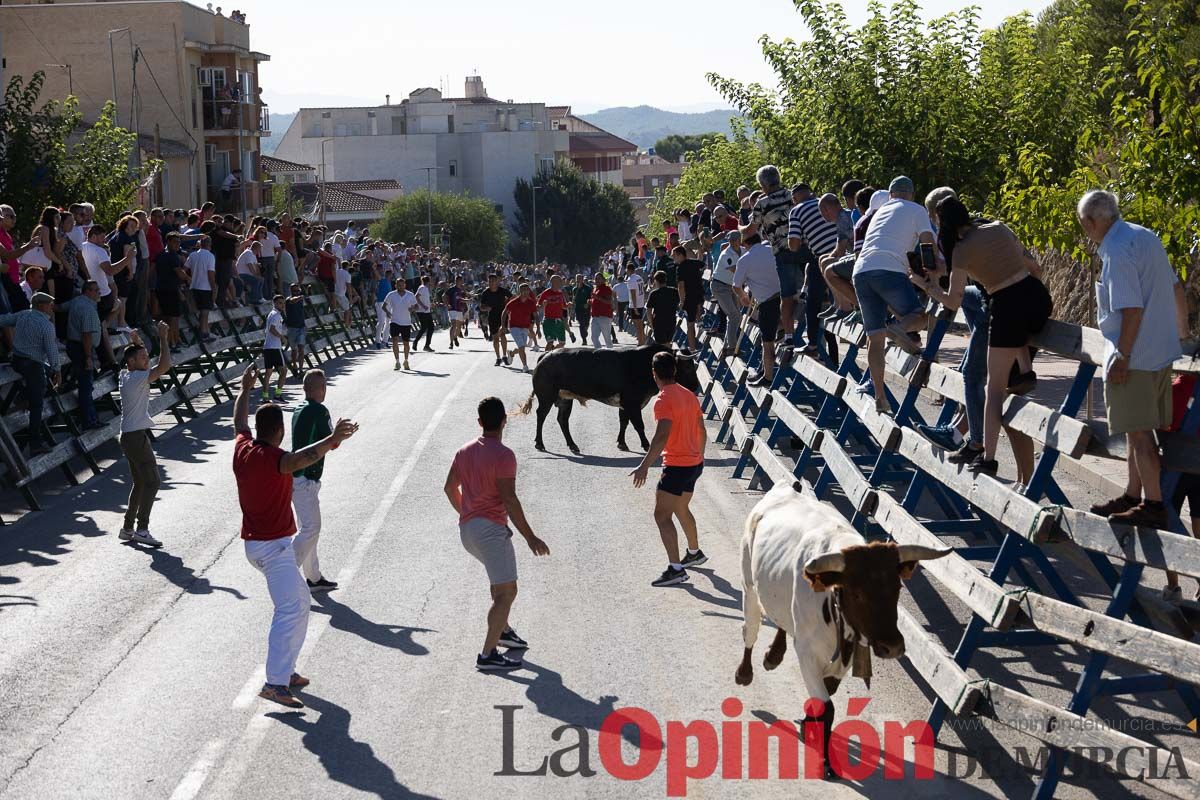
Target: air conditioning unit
x,y
210,154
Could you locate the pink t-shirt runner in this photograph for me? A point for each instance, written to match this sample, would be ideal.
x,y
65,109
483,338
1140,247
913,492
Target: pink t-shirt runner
x,y
479,464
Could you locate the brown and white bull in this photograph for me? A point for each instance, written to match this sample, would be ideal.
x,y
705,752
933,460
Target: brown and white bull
x,y
812,574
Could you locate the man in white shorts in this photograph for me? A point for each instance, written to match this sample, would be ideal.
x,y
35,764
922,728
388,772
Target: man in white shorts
x,y
482,487
517,319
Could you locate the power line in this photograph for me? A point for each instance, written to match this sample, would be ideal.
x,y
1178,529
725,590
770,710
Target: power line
x,y
50,53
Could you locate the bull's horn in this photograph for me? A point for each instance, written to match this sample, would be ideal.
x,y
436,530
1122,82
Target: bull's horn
x,y
918,552
829,562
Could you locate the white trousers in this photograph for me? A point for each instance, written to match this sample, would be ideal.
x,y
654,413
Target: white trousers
x,y
276,559
381,324
602,326
306,500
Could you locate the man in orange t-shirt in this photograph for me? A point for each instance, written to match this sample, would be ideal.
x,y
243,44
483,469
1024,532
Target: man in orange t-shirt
x,y
680,437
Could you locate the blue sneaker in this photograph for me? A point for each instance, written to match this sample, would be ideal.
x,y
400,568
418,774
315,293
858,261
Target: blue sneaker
x,y
942,436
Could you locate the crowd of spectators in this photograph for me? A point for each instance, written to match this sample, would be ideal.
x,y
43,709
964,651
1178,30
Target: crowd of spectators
x,y
877,257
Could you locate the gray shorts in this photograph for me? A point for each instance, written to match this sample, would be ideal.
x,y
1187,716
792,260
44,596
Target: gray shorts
x,y
491,543
844,267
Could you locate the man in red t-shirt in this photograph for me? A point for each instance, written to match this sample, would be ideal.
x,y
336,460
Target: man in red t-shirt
x,y
326,267
482,487
553,303
518,318
681,438
601,305
264,480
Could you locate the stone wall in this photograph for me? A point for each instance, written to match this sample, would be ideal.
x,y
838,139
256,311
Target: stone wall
x,y
1071,283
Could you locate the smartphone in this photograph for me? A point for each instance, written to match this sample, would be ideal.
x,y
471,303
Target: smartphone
x,y
927,261
915,265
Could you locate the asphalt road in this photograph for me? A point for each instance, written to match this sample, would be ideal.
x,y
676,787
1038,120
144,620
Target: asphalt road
x,y
129,672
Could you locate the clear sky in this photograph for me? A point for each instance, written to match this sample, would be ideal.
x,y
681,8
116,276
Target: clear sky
x,y
587,55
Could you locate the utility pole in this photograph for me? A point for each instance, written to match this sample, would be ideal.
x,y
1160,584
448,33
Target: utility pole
x,y
533,190
429,204
321,185
113,61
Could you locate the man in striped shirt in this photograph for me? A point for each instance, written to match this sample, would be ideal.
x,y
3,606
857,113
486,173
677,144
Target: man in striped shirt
x,y
769,220
35,357
812,226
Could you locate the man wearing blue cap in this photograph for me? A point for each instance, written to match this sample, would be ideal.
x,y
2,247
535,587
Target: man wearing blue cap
x,y
881,278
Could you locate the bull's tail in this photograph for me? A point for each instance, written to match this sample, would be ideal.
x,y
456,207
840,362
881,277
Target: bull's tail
x,y
525,409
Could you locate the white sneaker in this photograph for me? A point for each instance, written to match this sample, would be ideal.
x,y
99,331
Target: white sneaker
x,y
524,368
126,534
142,536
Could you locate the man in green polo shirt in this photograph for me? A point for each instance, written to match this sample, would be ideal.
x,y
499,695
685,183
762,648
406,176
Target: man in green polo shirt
x,y
581,299
310,424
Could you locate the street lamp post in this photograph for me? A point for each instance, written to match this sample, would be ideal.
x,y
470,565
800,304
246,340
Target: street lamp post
x,y
321,185
428,204
113,60
533,190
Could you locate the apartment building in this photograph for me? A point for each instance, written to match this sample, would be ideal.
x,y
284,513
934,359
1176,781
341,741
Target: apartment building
x,y
474,143
184,77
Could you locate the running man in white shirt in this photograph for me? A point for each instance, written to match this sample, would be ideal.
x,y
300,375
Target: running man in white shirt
x,y
274,336
398,307
637,301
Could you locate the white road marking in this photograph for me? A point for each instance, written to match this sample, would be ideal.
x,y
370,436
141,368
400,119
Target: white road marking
x,y
246,696
227,779
194,779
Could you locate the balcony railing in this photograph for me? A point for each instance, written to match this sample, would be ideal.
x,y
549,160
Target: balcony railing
x,y
222,111
257,195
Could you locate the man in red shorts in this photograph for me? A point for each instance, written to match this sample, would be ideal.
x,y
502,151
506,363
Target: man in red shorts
x,y
681,438
264,481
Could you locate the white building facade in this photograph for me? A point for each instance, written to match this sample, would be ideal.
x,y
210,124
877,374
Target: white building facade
x,y
472,144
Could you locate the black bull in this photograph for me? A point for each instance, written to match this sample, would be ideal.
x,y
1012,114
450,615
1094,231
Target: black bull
x,y
619,377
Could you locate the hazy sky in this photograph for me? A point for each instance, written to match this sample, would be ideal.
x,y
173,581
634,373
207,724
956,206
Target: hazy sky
x,y
587,55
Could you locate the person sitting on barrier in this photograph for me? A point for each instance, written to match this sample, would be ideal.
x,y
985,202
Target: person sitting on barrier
x,y
839,274
1142,313
881,280
990,254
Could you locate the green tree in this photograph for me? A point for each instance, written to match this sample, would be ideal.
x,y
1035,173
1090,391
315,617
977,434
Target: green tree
x,y
33,148
578,217
285,201
476,226
97,168
721,164
676,145
40,165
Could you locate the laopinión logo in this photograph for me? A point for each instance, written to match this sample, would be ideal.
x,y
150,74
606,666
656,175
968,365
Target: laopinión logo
x,y
741,748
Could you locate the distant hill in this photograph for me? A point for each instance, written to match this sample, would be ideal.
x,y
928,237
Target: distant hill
x,y
642,125
645,125
279,126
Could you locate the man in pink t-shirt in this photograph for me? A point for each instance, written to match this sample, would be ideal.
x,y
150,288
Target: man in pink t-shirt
x,y
482,487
